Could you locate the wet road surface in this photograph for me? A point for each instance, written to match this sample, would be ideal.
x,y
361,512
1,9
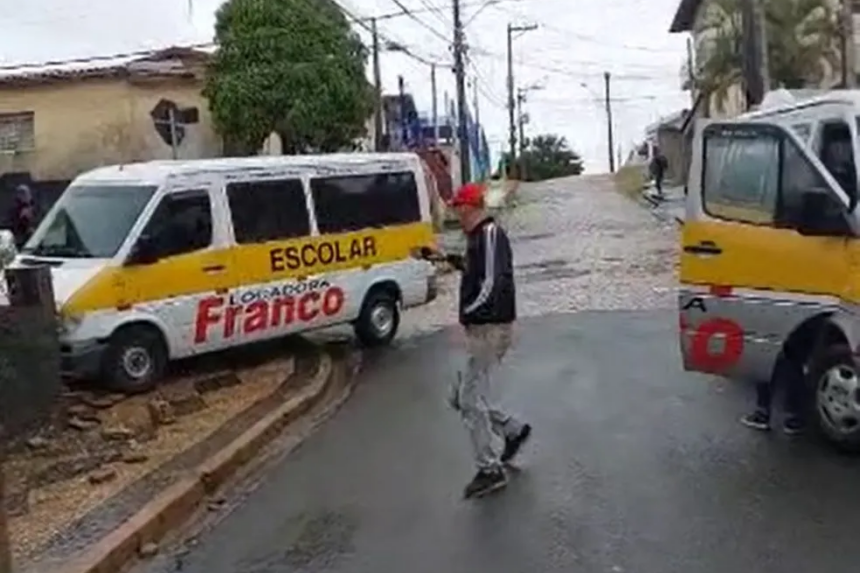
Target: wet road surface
x,y
634,467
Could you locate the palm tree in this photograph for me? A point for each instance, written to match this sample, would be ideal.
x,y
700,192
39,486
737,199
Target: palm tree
x,y
802,45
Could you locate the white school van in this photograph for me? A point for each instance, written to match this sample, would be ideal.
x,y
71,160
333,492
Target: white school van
x,y
163,260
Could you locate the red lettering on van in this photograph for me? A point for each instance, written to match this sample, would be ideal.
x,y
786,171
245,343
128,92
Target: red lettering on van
x,y
262,315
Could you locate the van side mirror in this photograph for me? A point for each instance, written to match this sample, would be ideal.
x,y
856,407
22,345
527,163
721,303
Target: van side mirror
x,y
819,216
144,252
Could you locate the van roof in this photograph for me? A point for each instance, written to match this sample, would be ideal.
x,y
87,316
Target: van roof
x,y
844,97
158,171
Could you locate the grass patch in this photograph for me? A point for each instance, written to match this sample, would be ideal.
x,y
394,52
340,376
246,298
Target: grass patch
x,y
630,180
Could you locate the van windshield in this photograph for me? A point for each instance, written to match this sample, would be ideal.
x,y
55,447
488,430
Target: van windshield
x,y
89,221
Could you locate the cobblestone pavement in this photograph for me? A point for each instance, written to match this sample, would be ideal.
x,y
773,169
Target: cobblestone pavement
x,y
578,245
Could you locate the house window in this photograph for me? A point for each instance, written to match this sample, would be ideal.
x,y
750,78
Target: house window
x,y
17,132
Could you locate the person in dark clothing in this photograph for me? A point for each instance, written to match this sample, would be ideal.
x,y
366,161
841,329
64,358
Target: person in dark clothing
x,y
659,166
22,219
789,377
487,312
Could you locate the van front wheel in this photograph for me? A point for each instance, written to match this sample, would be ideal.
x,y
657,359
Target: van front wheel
x,y
135,361
835,378
379,319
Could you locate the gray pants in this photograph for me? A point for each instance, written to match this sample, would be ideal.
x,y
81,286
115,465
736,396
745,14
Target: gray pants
x,y
474,395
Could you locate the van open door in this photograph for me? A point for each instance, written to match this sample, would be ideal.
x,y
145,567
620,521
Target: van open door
x,y
753,266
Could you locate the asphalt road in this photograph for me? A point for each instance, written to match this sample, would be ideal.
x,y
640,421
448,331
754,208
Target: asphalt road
x,y
634,466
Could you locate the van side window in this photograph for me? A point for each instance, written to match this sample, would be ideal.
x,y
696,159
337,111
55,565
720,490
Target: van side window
x,y
837,155
798,177
268,210
353,202
741,174
182,223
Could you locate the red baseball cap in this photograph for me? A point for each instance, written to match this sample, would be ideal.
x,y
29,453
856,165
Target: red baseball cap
x,y
471,194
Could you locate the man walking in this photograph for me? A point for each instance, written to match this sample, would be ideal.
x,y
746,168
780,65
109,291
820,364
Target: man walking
x,y
487,313
659,166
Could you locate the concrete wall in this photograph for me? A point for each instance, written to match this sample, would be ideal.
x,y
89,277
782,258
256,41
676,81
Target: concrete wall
x,y
84,124
673,145
29,368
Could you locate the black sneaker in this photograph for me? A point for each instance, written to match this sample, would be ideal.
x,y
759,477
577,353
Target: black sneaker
x,y
484,482
758,420
793,426
513,445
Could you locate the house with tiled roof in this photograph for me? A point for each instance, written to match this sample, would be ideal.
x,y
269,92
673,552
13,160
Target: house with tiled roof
x,y
57,120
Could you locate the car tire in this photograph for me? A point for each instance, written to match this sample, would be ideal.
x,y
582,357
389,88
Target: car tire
x,y
834,378
135,361
378,320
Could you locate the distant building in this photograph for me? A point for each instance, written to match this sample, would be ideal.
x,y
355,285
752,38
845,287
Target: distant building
x,y
55,122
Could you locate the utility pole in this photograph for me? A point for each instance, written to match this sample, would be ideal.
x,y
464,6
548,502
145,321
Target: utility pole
x,y
404,128
849,69
512,138
460,76
754,51
475,99
610,137
435,105
691,74
377,82
521,98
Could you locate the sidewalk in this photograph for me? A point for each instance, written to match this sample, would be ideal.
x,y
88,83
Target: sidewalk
x,y
670,207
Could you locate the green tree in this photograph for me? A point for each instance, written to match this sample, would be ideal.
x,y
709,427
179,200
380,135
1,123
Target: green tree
x,y
545,157
802,45
294,67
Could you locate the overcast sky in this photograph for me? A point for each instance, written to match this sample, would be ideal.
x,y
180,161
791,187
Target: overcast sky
x,y
576,41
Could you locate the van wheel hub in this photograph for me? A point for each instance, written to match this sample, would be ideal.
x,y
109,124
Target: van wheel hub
x,y
136,362
839,399
382,319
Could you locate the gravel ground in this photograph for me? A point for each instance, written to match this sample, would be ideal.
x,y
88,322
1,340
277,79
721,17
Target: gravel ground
x,y
578,245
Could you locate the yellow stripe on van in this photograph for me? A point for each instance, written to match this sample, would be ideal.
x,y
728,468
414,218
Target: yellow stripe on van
x,y
768,258
198,272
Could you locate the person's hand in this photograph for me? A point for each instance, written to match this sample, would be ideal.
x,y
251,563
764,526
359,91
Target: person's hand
x,y
430,253
456,261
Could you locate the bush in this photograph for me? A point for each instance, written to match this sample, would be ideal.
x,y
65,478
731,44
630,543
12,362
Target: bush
x,y
631,179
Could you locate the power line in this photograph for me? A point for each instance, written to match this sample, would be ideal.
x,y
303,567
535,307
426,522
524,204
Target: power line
x,y
425,25
100,59
482,89
588,38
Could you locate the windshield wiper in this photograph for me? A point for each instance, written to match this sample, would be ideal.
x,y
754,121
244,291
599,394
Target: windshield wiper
x,y
57,251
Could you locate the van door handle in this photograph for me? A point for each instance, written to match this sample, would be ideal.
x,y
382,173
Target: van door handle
x,y
704,248
213,269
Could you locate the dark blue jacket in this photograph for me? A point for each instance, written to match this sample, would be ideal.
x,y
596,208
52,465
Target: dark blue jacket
x,y
487,291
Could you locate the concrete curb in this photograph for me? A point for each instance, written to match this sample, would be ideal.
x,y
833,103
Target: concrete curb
x,y
174,505
653,203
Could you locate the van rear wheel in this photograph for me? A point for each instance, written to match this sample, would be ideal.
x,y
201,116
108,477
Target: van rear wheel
x,y
379,319
835,378
135,361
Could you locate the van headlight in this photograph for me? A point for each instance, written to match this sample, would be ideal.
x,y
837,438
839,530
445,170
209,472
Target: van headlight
x,y
68,323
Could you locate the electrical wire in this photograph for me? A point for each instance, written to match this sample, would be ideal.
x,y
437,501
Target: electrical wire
x,y
425,25
566,32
